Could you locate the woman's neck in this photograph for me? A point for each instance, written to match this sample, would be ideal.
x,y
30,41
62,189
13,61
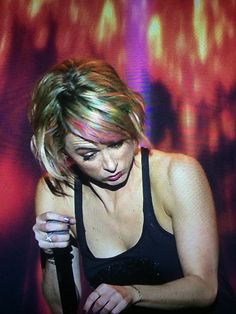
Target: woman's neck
x,y
111,196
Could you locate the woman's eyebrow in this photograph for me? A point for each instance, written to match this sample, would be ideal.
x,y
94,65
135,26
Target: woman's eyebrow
x,y
79,149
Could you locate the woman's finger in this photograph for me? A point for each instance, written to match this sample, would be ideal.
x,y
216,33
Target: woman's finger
x,y
53,226
108,299
52,216
53,239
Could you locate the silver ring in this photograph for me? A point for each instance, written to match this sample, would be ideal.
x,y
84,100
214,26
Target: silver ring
x,y
49,236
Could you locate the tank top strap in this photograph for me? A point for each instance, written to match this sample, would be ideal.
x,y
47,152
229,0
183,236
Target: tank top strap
x,y
147,197
78,206
150,223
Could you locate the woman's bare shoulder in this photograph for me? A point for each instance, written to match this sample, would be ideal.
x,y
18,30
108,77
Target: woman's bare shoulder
x,y
46,200
169,163
170,171
183,178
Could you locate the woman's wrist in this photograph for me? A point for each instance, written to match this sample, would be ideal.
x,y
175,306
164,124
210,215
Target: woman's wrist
x,y
47,256
51,260
48,252
138,294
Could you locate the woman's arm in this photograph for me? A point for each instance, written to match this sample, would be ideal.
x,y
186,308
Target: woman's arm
x,y
53,218
50,286
190,206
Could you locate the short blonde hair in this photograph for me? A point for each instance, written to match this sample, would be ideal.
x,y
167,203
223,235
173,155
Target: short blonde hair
x,y
87,95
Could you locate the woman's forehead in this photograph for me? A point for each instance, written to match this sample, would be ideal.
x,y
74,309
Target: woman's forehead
x,y
78,139
97,136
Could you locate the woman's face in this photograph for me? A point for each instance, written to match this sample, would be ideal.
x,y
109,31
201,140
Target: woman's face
x,y
106,163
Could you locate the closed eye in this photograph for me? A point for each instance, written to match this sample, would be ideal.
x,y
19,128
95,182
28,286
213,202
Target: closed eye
x,y
88,156
116,144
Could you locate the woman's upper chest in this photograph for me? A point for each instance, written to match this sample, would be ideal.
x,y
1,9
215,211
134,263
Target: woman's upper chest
x,y
114,222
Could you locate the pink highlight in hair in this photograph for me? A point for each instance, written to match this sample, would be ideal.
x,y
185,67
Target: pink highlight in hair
x,y
83,129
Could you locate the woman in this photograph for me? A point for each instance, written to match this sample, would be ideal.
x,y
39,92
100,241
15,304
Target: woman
x,y
146,225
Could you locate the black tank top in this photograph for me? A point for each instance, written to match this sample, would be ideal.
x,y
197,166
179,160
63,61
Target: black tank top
x,y
153,260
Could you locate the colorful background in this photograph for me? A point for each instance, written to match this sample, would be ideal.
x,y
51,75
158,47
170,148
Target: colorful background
x,y
180,54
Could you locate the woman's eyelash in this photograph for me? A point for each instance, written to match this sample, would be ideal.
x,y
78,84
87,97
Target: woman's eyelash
x,y
117,144
88,157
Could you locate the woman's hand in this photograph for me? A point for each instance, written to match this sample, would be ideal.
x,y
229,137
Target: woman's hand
x,y
52,230
111,299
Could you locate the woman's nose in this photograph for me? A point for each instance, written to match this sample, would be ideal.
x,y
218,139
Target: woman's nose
x,y
109,163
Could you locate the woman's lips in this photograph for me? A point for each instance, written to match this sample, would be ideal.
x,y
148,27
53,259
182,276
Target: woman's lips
x,y
115,177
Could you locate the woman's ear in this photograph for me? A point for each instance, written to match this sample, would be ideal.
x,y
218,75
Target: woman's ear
x,y
136,147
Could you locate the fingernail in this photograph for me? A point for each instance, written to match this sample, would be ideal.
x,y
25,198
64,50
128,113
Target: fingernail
x,y
66,219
